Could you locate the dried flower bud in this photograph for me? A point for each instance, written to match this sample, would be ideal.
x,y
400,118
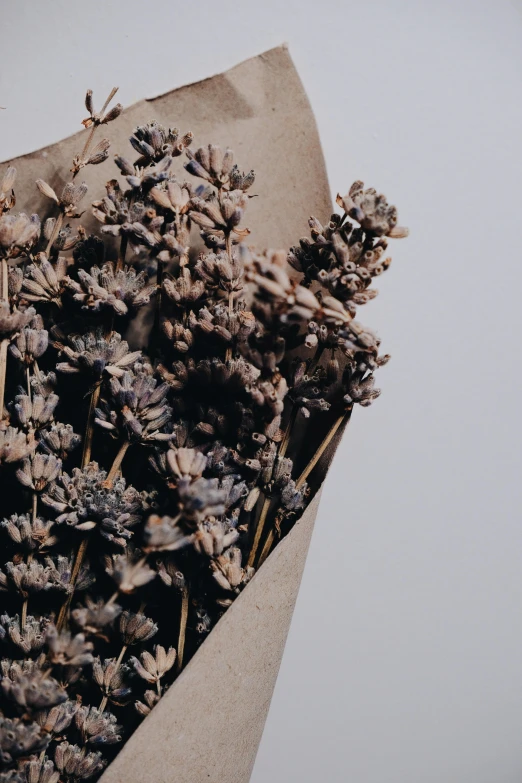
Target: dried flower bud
x,y
38,471
371,211
36,412
170,574
164,534
128,574
11,321
153,668
40,770
7,196
68,650
59,439
31,534
75,764
106,286
221,272
84,502
186,463
18,234
95,617
137,407
109,676
214,536
58,719
93,353
228,572
19,739
135,627
33,691
43,281
34,577
31,638
31,343
151,699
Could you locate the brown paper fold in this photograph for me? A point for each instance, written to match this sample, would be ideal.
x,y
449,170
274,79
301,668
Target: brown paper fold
x,y
207,727
209,724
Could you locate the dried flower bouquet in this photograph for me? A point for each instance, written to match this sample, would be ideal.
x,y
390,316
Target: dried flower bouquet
x,y
142,489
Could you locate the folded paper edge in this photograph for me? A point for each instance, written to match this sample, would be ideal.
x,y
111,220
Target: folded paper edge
x,y
163,95
284,47
208,725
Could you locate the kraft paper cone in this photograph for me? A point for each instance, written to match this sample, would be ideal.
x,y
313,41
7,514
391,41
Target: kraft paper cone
x,y
207,727
209,724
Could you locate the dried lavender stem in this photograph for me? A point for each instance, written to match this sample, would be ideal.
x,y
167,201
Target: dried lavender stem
x,y
34,509
5,280
55,232
182,628
228,245
87,144
89,430
4,344
86,458
266,548
282,451
266,505
288,431
123,251
74,576
95,126
105,699
304,475
109,481
259,530
28,378
157,313
315,361
228,354
322,448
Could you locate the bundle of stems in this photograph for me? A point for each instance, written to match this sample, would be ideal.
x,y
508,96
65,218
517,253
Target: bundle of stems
x,y
141,489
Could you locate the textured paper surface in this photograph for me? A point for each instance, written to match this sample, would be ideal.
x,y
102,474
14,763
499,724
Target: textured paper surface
x,y
208,726
258,108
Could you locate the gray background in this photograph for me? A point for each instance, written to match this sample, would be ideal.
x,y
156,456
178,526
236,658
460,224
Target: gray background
x,y
404,658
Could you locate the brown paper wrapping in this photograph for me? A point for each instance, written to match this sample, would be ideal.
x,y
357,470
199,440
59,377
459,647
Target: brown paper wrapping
x,y
207,727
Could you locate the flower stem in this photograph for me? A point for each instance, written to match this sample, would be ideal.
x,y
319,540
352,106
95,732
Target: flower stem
x,y
109,481
78,561
80,554
315,361
121,255
228,354
89,429
266,505
105,699
288,431
4,344
34,509
322,448
259,530
182,628
55,232
304,475
94,127
266,548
